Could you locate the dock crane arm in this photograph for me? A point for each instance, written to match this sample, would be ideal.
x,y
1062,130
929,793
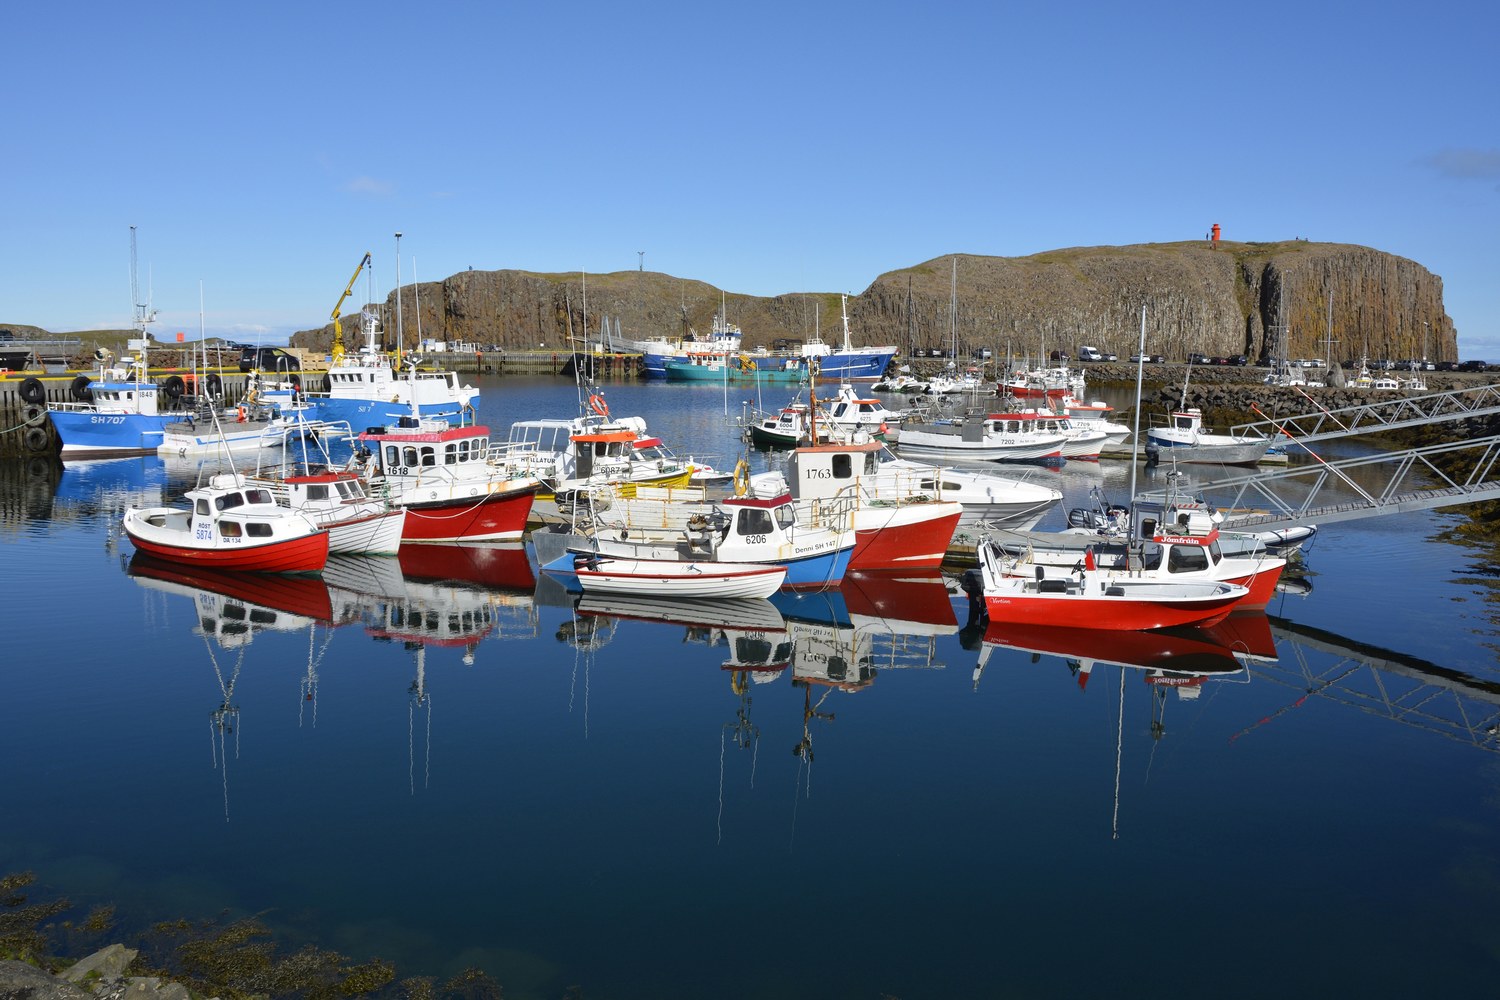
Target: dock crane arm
x,y
337,351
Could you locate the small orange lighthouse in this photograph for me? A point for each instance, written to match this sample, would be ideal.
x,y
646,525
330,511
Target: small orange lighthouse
x,y
1213,233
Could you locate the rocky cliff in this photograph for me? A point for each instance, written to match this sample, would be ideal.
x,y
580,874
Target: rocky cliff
x,y
1229,298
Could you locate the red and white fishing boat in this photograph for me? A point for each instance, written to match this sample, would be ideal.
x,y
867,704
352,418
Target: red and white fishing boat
x,y
443,476
230,524
1169,540
1042,383
1081,442
841,486
1085,599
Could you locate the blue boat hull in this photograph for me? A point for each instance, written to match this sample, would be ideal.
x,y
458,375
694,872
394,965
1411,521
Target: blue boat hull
x,y
855,366
363,413
122,433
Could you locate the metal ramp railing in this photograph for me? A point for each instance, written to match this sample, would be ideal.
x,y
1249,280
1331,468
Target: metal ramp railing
x,y
1370,418
1415,482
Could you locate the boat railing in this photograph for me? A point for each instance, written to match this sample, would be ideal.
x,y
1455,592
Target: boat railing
x,y
835,512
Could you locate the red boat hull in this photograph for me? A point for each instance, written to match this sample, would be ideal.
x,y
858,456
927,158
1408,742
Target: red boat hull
x,y
883,542
307,554
1262,586
495,517
1120,614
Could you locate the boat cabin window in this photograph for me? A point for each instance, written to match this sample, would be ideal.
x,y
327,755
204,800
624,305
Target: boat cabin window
x,y
258,496
230,529
317,491
410,454
786,516
1184,423
1148,527
1186,559
755,521
201,506
843,467
257,529
1150,556
838,411
229,501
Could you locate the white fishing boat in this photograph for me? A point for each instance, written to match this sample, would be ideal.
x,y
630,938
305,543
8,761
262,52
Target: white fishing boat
x,y
848,414
670,577
356,522
996,437
1185,440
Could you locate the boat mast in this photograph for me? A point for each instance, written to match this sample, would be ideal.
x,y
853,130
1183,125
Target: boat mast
x,y
400,342
416,291
953,317
1135,436
144,315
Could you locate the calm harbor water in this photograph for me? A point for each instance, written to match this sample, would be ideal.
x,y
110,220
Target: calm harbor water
x,y
442,762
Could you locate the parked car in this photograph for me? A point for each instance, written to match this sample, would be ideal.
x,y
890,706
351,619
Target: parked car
x,y
1447,366
1089,354
269,359
1240,360
1150,359
1197,359
1473,366
983,353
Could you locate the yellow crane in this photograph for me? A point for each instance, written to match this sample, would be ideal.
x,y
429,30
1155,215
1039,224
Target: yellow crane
x,y
337,352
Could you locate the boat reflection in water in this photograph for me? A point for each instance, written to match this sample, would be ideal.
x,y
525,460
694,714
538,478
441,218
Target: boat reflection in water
x,y
875,621
232,609
438,597
1182,658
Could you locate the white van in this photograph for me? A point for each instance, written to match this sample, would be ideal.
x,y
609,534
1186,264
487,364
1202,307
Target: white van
x,y
1089,354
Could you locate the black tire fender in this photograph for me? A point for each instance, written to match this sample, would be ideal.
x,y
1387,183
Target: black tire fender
x,y
32,390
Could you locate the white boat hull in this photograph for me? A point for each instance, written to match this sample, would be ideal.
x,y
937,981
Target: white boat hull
x,y
605,575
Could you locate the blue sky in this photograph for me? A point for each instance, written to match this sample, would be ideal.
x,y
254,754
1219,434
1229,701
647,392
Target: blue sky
x,y
261,149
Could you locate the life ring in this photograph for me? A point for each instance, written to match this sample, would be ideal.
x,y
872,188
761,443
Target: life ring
x,y
36,439
239,417
741,478
598,405
33,415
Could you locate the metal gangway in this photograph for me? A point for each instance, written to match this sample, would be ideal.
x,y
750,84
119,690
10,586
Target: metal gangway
x,y
1320,492
1397,413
